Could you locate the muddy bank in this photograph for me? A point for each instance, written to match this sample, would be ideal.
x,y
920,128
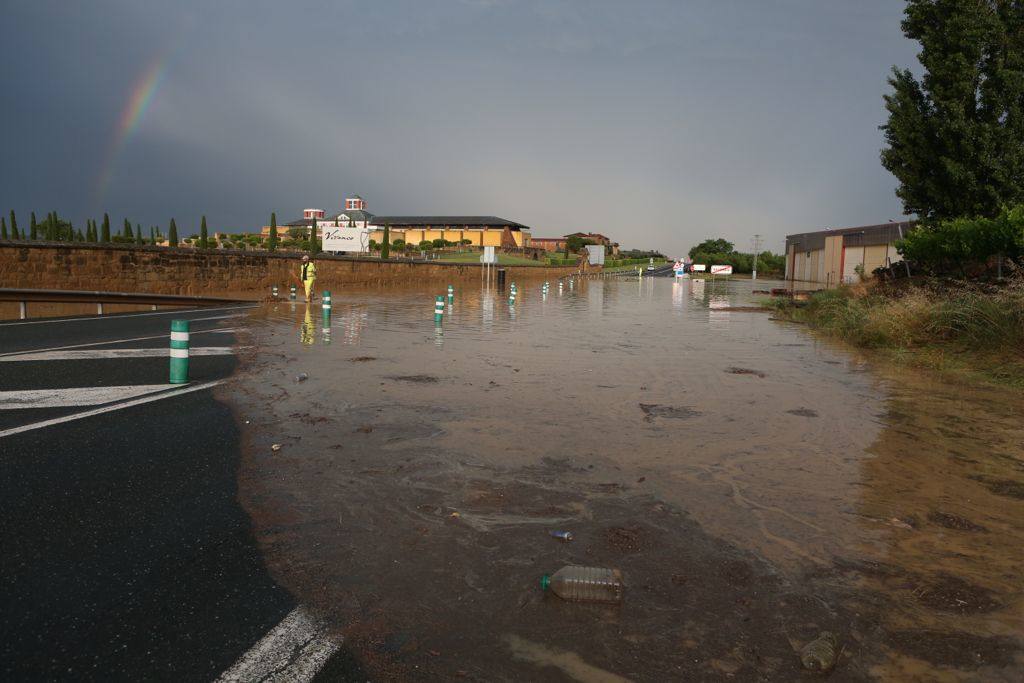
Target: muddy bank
x,y
754,486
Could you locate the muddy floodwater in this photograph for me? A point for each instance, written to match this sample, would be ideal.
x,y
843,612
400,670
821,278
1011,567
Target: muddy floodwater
x,y
754,484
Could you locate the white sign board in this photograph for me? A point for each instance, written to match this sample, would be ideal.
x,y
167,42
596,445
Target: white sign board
x,y
489,255
721,270
595,254
699,267
345,239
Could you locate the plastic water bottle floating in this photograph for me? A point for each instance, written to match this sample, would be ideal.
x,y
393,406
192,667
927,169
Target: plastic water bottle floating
x,y
585,584
820,654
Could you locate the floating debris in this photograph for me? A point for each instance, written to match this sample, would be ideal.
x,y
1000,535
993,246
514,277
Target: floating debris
x,y
820,654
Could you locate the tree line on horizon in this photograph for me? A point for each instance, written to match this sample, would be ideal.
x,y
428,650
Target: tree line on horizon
x,y
57,229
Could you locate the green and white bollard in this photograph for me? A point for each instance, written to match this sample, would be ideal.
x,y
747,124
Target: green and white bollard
x,y
292,295
179,352
273,291
438,309
327,302
451,294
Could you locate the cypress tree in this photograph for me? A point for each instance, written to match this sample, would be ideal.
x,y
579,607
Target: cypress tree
x,y
312,238
49,230
3,228
15,235
89,236
128,229
14,225
385,247
204,241
33,228
138,234
152,235
105,231
81,237
272,241
172,234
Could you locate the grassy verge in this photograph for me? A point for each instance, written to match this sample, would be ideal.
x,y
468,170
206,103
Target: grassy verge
x,y
963,328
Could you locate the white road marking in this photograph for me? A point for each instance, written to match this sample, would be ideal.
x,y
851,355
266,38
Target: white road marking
x,y
93,354
117,316
121,341
107,409
294,651
74,396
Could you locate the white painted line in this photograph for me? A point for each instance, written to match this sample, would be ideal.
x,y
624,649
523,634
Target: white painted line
x,y
93,354
180,311
74,396
121,341
294,651
106,409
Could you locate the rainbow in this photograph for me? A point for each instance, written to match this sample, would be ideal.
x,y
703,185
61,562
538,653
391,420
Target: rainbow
x,y
134,111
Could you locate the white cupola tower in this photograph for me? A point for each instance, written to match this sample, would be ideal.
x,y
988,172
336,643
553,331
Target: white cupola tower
x,y
355,203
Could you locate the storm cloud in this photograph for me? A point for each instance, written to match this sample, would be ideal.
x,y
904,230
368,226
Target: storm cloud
x,y
656,123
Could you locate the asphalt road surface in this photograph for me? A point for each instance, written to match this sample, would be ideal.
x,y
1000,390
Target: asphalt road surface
x,y
125,554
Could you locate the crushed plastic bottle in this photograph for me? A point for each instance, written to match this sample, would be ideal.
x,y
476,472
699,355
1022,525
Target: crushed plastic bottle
x,y
561,535
301,377
585,584
820,654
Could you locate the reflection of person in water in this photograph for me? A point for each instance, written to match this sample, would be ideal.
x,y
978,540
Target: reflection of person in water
x,y
308,332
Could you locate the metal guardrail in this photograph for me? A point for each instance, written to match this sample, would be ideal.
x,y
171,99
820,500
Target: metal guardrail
x,y
62,296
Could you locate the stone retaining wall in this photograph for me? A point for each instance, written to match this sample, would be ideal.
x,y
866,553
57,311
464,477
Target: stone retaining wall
x,y
244,274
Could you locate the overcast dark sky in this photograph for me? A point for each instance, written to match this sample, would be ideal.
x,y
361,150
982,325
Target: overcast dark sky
x,y
656,123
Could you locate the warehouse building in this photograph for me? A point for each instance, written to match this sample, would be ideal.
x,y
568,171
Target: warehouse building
x,y
839,256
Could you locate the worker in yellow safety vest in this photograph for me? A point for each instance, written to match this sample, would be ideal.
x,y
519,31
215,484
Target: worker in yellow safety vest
x,y
307,275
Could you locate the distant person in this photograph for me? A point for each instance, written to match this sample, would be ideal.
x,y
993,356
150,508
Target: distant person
x,y
307,275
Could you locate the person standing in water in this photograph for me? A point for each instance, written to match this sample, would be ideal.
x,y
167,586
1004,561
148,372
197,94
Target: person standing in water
x,y
307,275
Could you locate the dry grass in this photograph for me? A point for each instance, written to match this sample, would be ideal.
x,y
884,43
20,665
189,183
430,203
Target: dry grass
x,y
959,325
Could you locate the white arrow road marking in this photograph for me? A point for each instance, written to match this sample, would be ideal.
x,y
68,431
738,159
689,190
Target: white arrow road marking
x,y
294,651
93,354
106,409
74,396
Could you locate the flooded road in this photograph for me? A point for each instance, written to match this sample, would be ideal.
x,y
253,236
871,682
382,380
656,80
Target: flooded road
x,y
755,486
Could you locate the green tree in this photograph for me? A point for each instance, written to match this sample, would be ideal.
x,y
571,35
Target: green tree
x,y
14,225
204,240
3,228
152,235
314,242
81,237
33,227
172,234
954,137
127,231
50,232
385,244
139,239
716,246
272,240
105,230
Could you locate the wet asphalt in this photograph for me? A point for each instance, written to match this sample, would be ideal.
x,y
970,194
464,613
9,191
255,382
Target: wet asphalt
x,y
126,555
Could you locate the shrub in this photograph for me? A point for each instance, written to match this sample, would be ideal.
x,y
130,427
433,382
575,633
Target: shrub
x,y
963,244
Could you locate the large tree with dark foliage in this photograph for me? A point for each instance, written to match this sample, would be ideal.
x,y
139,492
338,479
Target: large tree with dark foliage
x,y
956,136
172,234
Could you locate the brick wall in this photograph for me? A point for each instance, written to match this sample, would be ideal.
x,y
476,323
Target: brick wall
x,y
246,274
